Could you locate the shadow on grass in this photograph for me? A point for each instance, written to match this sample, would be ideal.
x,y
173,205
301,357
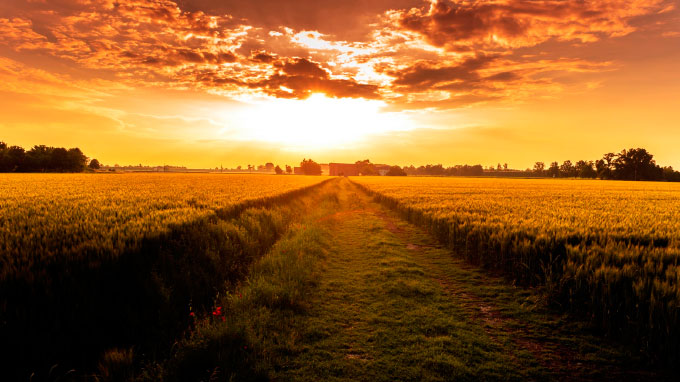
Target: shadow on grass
x,y
77,312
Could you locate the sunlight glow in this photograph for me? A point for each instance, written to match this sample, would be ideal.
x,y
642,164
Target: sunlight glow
x,y
315,40
317,122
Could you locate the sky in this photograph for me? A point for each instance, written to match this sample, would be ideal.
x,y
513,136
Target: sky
x,y
207,83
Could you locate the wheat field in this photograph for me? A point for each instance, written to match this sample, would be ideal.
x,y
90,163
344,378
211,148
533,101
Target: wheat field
x,y
44,217
607,249
93,261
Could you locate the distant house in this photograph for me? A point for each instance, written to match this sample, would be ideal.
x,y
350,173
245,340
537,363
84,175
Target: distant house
x,y
325,169
342,169
298,171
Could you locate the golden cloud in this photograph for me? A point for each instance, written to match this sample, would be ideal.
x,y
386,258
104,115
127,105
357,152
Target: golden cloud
x,y
444,54
503,24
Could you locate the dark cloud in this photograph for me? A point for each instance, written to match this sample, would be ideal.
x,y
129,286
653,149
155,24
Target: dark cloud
x,y
344,19
391,50
427,75
262,57
504,77
466,25
305,68
300,78
301,87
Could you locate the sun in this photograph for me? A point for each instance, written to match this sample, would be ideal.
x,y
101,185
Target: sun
x,y
316,122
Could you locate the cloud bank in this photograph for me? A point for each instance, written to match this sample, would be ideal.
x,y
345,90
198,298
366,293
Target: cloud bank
x,y
413,55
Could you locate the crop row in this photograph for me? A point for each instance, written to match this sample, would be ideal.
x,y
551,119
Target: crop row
x,y
93,262
50,217
607,250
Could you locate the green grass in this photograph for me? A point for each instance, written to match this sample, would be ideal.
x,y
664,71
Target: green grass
x,y
353,293
377,316
258,320
75,315
606,251
350,292
544,344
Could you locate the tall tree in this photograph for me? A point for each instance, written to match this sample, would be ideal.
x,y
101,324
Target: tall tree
x,y
605,166
396,171
58,160
636,164
39,158
671,175
365,167
585,169
76,161
539,168
12,158
309,167
567,169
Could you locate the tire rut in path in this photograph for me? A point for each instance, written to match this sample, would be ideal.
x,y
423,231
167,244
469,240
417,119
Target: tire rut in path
x,y
394,305
376,315
562,362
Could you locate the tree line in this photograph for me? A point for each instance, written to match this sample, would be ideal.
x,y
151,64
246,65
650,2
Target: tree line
x,y
363,167
43,158
438,169
631,164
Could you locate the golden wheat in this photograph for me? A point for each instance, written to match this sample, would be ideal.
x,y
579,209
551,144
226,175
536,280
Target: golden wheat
x,y
609,249
43,216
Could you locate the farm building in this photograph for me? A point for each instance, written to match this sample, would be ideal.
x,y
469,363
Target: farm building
x,y
325,168
298,171
342,169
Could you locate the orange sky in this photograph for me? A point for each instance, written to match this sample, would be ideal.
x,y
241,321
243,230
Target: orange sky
x,y
204,83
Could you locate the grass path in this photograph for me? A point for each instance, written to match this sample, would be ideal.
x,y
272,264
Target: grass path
x,y
392,305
